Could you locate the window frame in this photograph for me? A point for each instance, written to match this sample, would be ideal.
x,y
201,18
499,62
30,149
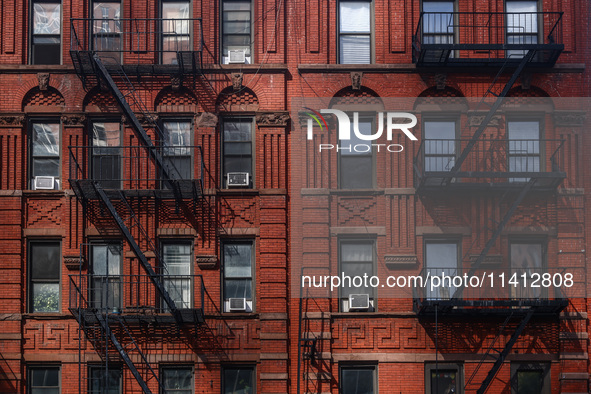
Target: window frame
x,y
119,277
164,34
91,169
343,367
371,33
432,366
31,280
455,118
541,144
539,34
176,367
544,367
252,367
222,35
32,367
531,240
32,34
189,276
363,117
252,178
450,240
373,297
189,147
250,304
92,368
31,174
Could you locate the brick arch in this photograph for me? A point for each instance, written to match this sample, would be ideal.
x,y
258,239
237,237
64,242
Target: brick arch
x,y
50,97
448,95
97,100
244,100
533,96
169,100
348,96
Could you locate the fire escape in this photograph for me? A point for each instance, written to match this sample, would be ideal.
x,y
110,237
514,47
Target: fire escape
x,y
116,311
507,43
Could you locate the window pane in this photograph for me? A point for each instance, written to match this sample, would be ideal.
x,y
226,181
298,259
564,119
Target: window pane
x,y
46,139
106,260
524,137
45,377
237,130
352,270
357,381
47,18
174,43
177,259
238,288
106,134
107,10
176,10
46,297
103,382
356,252
237,260
354,17
529,382
348,147
46,167
177,380
441,259
238,148
238,164
441,21
355,49
238,380
521,17
526,256
356,172
444,381
45,261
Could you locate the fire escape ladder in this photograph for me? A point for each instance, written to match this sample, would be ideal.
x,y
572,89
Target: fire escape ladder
x,y
168,171
104,324
523,192
136,248
505,352
493,109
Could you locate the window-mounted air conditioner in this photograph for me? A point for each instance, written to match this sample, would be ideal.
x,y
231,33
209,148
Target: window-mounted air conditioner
x,y
44,183
358,302
234,179
237,304
237,56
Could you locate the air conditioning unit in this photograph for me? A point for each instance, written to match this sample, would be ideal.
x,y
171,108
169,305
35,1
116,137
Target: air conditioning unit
x,y
358,302
44,183
237,304
237,56
234,179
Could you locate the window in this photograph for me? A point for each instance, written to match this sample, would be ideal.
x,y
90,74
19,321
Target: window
x,y
238,267
105,381
46,39
106,276
177,380
238,380
527,257
177,273
440,145
176,29
106,30
106,154
524,147
356,158
438,22
237,152
236,31
444,378
356,260
441,258
522,25
45,155
177,149
358,380
44,380
530,378
354,32
44,276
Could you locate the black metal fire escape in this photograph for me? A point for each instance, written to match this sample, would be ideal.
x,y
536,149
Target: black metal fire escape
x,y
453,39
105,326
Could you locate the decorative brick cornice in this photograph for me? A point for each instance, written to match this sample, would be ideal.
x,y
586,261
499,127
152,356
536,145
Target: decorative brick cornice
x,y
207,262
393,261
16,120
569,119
74,120
73,262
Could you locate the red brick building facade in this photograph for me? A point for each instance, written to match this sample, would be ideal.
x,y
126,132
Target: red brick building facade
x,y
159,197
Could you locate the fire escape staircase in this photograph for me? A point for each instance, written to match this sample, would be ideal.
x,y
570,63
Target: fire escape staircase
x,y
128,223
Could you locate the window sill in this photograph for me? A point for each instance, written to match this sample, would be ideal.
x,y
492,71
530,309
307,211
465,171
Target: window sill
x,y
48,193
47,315
236,315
